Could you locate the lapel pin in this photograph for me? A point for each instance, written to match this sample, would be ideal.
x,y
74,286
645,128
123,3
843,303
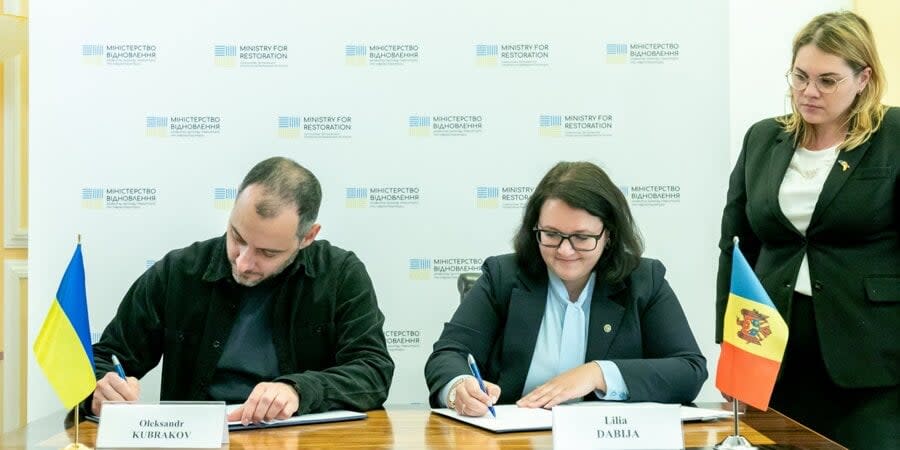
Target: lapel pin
x,y
844,165
607,328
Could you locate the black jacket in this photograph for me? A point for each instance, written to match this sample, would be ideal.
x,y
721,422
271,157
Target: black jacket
x,y
637,324
327,328
852,245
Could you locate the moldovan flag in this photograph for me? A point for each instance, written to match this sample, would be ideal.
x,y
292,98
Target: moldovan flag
x,y
63,346
753,338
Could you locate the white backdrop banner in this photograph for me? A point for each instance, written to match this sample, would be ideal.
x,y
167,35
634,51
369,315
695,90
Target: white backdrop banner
x,y
427,124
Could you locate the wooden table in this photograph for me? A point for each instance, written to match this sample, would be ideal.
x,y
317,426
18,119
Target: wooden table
x,y
412,427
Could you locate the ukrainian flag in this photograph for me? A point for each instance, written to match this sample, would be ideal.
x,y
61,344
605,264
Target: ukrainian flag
x,y
63,346
753,339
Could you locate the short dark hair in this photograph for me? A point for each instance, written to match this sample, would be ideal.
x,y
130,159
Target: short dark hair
x,y
286,183
585,186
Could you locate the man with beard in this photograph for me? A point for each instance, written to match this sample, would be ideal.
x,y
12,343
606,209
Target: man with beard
x,y
264,316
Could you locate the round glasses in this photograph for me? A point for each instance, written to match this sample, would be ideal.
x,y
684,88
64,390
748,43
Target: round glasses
x,y
579,242
826,84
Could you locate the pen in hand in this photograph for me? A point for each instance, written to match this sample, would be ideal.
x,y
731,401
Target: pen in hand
x,y
474,368
118,367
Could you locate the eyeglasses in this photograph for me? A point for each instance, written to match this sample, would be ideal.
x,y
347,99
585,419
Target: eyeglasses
x,y
826,85
579,242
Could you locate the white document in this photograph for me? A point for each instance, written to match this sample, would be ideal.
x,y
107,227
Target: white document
x,y
512,418
509,418
330,416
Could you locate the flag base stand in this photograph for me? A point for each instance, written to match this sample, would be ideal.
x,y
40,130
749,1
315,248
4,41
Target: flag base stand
x,y
736,443
76,446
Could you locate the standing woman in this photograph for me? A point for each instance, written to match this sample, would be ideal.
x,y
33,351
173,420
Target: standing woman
x,y
814,200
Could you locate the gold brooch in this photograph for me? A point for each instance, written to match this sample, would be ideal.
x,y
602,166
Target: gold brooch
x,y
844,165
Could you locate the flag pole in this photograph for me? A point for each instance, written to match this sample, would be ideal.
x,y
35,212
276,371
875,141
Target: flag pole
x,y
76,445
735,441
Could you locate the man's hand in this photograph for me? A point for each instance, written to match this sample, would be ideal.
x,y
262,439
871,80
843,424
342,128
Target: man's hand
x,y
471,400
114,389
573,383
268,401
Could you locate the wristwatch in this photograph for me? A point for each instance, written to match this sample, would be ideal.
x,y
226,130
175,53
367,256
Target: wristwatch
x,y
451,396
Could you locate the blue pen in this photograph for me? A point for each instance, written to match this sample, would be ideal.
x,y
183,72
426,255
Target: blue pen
x,y
474,368
118,367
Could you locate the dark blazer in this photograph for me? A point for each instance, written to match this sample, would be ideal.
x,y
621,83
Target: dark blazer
x,y
326,326
852,245
499,320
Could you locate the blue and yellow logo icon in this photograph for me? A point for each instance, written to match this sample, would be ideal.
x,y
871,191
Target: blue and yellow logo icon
x,y
92,54
92,198
616,53
487,197
419,126
223,197
356,55
225,55
157,126
419,269
357,197
550,126
288,127
486,55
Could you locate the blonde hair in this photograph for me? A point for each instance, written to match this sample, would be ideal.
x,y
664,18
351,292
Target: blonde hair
x,y
848,36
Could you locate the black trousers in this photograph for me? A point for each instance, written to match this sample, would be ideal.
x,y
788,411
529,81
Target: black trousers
x,y
863,419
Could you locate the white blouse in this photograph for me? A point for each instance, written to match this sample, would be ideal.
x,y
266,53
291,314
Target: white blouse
x,y
799,193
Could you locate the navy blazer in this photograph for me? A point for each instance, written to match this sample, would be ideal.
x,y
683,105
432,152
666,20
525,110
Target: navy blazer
x,y
852,245
638,324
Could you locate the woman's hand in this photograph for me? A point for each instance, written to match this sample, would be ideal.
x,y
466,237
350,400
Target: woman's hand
x,y
574,383
471,400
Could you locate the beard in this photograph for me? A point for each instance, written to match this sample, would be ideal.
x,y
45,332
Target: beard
x,y
248,280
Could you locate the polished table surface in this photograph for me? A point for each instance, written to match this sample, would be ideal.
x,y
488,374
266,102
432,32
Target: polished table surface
x,y
412,427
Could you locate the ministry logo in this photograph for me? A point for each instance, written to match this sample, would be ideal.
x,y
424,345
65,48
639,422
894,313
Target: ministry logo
x,y
382,197
446,125
288,127
327,127
357,197
157,126
486,55
183,126
616,53
224,55
576,125
251,55
118,198
132,54
451,268
549,125
643,53
419,126
652,195
506,197
356,55
92,54
381,54
400,340
420,269
92,198
223,197
487,197
523,54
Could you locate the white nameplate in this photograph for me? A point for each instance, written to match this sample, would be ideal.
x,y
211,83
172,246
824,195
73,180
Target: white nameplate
x,y
592,425
166,425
